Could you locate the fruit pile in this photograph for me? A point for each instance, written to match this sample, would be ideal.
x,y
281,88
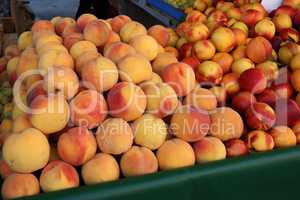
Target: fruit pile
x,y
181,4
107,99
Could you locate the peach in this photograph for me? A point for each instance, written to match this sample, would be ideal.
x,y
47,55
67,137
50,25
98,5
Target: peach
x,y
265,28
71,39
21,123
268,96
42,26
195,16
145,136
236,147
295,80
282,21
195,32
118,22
240,36
49,114
61,24
297,99
84,19
170,50
84,59
226,124
220,93
218,17
189,123
116,51
97,32
296,130
100,74
32,153
113,37
193,61
61,79
58,175
135,68
204,49
253,80
260,116
260,141
138,161
230,83
162,61
155,78
20,185
182,28
288,112
285,9
51,46
101,168
55,19
173,37
25,40
209,72
283,136
242,101
234,13
201,98
209,149
80,47
181,41
295,62
131,30
241,65
70,29
127,101
292,3
175,153
77,146
5,171
225,60
54,58
180,77
10,66
270,70
35,91
259,49
239,52
287,51
46,38
160,34
114,136
289,34
240,25
186,50
251,17
88,108
145,45
200,5
224,39
161,99
11,51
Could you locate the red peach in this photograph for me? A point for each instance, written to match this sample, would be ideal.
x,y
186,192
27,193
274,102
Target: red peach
x,y
97,32
289,34
84,19
242,101
282,21
225,60
71,39
61,24
251,17
117,51
209,72
259,49
236,147
160,34
268,96
191,61
186,50
260,141
204,50
230,83
253,80
42,26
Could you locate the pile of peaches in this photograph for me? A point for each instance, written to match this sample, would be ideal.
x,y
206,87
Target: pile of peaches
x,y
98,100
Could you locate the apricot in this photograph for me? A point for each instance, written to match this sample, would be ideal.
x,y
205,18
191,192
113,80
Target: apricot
x,y
260,141
49,114
259,49
201,98
32,153
236,147
189,123
209,149
58,175
162,60
100,74
282,21
131,30
145,45
223,39
160,34
138,161
114,136
101,168
180,77
253,80
209,72
283,136
116,51
69,142
225,60
204,49
149,131
226,124
175,153
230,83
118,22
20,185
260,116
80,47
97,32
135,68
242,101
84,19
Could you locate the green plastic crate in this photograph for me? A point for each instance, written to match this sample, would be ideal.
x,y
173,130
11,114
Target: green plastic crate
x,y
270,175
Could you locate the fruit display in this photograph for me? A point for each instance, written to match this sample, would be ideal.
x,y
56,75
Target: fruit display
x,y
99,100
